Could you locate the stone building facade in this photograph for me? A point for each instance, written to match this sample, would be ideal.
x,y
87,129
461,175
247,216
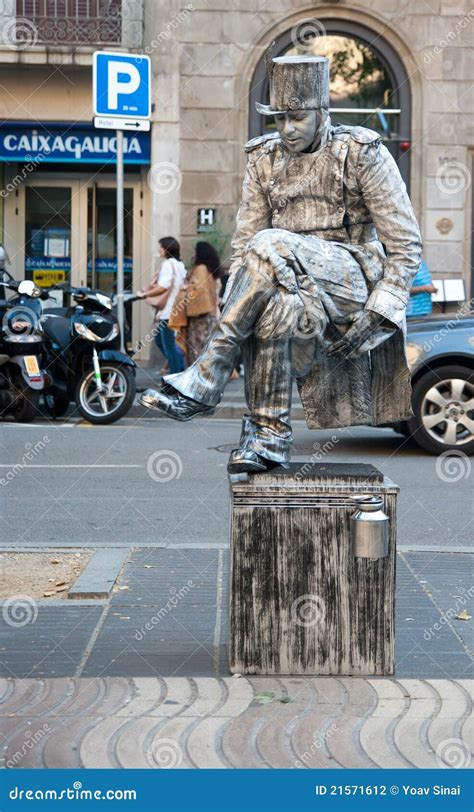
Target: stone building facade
x,y
207,71
204,74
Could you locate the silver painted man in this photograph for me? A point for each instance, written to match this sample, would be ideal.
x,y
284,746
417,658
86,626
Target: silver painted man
x,y
325,247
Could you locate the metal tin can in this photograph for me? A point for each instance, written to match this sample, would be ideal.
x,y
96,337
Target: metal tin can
x,y
369,528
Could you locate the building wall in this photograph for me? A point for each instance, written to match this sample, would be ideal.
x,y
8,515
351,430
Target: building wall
x,y
204,54
207,55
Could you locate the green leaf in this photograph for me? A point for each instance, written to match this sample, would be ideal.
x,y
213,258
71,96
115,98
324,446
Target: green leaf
x,y
264,698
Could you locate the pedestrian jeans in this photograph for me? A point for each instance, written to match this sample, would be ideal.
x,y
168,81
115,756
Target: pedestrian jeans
x,y
165,340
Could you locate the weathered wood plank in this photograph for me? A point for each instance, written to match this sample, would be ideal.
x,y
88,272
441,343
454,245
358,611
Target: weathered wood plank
x,y
301,603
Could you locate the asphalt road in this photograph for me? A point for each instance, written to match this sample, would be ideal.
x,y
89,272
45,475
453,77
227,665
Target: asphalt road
x,y
157,482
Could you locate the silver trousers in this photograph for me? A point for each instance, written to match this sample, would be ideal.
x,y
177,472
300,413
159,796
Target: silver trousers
x,y
258,298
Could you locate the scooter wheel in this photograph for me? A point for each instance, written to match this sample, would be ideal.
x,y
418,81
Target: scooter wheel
x,y
25,407
114,402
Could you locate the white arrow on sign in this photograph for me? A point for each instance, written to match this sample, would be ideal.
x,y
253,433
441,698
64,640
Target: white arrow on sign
x,y
116,123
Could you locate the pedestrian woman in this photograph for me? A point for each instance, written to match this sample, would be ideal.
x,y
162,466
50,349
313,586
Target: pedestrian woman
x,y
161,294
203,286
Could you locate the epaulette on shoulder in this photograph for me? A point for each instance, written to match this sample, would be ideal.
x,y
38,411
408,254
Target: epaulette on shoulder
x,y
269,140
363,135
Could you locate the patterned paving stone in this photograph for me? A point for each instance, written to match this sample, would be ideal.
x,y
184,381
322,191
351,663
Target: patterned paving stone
x,y
222,723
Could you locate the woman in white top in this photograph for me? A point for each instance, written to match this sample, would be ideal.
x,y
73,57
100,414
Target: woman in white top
x,y
171,274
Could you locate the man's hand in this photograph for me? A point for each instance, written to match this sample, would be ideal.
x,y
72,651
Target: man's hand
x,y
364,322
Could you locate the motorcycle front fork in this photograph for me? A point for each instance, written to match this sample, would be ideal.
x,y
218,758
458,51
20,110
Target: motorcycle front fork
x,y
97,375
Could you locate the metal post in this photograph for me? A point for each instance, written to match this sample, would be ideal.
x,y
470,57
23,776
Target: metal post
x,y
120,306
94,234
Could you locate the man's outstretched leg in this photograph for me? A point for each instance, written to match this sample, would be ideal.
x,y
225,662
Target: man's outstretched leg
x,y
199,388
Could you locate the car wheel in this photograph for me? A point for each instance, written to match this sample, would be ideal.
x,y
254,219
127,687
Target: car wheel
x,y
443,406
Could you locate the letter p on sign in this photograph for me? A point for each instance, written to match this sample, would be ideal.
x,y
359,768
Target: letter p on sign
x,y
121,85
123,79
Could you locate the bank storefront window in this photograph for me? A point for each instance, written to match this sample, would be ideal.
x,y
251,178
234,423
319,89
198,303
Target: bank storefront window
x,y
48,234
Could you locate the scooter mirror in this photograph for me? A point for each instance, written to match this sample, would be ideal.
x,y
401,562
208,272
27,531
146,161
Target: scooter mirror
x,y
28,288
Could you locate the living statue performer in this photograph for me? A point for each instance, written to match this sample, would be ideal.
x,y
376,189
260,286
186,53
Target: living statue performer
x,y
325,247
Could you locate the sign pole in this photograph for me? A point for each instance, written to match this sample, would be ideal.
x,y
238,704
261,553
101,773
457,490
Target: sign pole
x,y
120,241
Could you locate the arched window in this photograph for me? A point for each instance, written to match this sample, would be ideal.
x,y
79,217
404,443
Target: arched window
x,y
369,85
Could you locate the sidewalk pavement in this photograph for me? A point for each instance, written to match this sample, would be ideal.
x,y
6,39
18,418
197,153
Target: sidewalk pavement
x,y
258,722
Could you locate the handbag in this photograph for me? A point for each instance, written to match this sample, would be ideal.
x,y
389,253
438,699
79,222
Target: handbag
x,y
178,316
159,301
202,298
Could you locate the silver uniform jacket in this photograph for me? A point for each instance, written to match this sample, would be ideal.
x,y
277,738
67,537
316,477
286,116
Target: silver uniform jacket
x,y
349,191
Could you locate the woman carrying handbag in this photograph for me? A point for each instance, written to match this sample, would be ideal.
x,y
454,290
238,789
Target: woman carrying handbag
x,y
202,297
161,294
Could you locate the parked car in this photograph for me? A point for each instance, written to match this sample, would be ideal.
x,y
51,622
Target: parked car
x,y
440,353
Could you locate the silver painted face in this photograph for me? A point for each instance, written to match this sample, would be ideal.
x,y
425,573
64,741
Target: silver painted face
x,y
297,128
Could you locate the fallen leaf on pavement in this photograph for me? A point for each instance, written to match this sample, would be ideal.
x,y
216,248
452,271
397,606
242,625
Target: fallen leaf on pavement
x,y
264,698
463,615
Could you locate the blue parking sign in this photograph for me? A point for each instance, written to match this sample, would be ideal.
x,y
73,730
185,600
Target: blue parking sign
x,y
121,85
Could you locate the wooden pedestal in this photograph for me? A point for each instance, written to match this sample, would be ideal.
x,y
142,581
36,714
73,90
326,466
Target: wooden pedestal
x,y
301,603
